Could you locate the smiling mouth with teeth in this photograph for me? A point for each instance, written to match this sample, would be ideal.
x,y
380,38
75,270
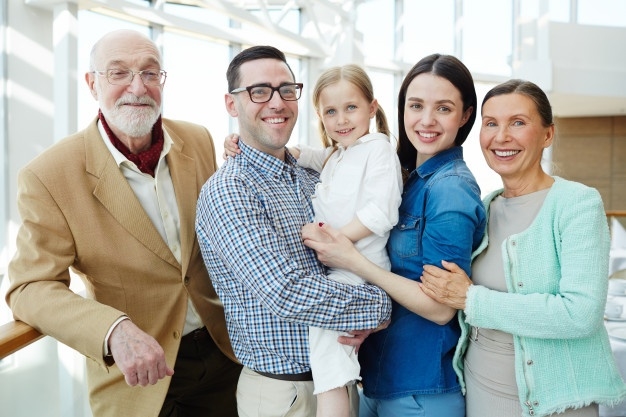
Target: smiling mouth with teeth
x,y
275,120
506,153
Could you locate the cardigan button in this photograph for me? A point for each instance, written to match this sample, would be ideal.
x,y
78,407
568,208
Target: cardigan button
x,y
529,362
520,284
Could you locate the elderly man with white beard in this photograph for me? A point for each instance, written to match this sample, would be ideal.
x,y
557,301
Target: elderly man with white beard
x,y
115,204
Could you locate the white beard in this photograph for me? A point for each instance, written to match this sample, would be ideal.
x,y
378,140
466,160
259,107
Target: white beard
x,y
133,121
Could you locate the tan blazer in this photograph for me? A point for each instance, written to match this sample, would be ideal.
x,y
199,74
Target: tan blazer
x,y
79,212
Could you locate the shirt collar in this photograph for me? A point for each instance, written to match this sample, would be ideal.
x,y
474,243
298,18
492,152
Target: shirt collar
x,y
368,138
261,160
433,164
119,157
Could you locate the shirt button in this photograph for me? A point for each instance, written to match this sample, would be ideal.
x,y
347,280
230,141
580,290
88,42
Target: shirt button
x,y
520,284
529,362
513,243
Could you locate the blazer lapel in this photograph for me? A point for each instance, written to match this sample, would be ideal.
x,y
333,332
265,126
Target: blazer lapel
x,y
183,172
118,198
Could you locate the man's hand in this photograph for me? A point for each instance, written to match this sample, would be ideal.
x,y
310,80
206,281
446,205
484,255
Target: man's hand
x,y
357,337
231,146
138,355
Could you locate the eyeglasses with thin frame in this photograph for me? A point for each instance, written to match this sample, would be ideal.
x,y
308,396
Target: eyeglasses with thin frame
x,y
264,93
149,77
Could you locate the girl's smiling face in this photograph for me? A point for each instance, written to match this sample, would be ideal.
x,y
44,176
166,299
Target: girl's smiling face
x,y
345,112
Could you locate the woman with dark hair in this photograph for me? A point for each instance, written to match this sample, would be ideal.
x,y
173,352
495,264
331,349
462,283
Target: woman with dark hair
x,y
533,341
407,368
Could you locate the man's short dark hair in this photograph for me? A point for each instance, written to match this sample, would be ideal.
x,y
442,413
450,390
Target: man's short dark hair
x,y
251,54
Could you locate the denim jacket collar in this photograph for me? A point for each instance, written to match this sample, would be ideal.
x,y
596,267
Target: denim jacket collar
x,y
434,163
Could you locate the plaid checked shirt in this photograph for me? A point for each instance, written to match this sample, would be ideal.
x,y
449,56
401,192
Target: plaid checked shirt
x,y
249,218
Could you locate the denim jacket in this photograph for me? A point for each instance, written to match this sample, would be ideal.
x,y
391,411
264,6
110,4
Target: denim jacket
x,y
441,218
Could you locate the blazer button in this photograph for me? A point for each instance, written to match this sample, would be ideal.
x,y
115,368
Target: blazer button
x,y
176,334
186,280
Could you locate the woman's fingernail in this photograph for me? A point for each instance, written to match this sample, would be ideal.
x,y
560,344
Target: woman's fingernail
x,y
321,224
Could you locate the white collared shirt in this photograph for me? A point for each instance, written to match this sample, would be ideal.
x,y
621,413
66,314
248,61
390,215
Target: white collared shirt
x,y
158,198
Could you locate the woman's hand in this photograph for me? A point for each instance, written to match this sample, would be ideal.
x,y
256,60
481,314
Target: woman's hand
x,y
231,148
447,286
333,248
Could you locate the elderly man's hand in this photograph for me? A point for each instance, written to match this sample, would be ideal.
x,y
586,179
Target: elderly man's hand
x,y
138,355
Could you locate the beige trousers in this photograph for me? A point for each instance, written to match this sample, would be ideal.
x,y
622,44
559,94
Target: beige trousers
x,y
260,396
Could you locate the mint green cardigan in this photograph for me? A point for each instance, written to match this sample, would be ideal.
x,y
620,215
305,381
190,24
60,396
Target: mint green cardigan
x,y
557,279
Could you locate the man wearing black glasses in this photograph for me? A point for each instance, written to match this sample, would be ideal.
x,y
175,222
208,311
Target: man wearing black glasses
x,y
115,203
249,218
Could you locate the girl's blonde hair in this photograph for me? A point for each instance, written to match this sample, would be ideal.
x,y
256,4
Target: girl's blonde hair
x,y
357,77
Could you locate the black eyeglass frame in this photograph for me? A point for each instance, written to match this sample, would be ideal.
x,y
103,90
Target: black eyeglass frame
x,y
251,87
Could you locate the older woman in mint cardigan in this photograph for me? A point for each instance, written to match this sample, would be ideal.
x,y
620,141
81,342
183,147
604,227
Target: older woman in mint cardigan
x,y
533,341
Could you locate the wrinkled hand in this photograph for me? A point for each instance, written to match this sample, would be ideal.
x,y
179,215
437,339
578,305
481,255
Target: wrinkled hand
x,y
447,286
138,355
231,147
333,248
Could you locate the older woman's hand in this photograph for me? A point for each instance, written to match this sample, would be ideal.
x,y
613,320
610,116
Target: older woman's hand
x,y
333,248
448,286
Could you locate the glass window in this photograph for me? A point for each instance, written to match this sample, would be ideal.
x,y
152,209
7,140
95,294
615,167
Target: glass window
x,y
427,27
305,112
486,45
602,12
196,84
289,20
206,16
375,19
558,10
385,92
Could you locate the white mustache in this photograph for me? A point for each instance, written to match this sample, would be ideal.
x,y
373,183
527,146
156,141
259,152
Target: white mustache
x,y
132,99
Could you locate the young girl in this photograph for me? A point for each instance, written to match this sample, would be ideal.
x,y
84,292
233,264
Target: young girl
x,y
359,193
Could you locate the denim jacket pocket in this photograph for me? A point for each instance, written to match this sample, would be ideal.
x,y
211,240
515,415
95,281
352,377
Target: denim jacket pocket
x,y
404,240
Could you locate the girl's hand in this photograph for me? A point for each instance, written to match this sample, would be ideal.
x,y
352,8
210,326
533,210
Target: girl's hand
x,y
231,148
447,286
333,248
